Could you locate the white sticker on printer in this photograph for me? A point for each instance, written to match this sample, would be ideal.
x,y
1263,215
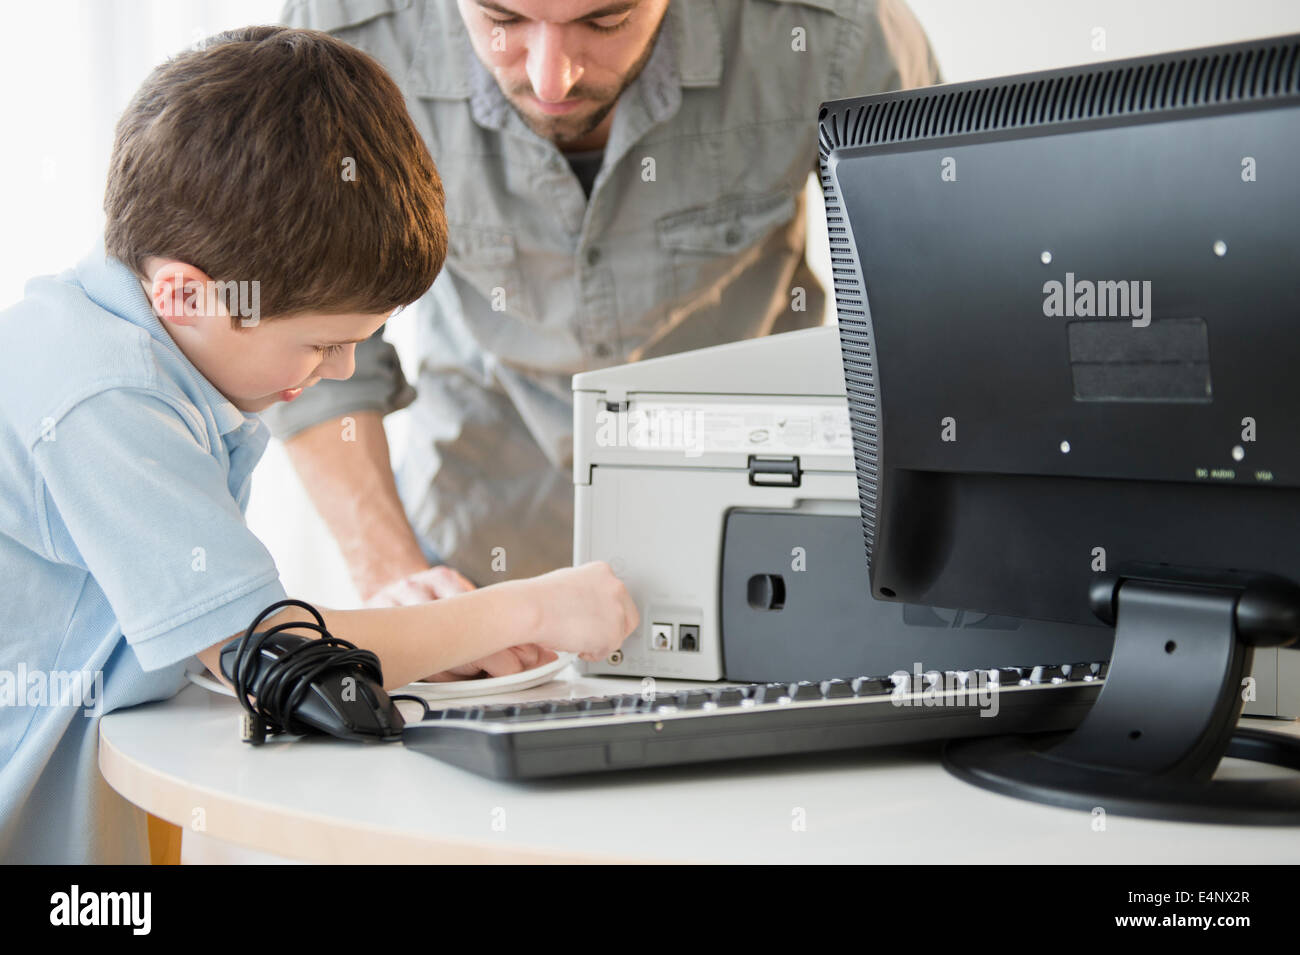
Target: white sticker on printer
x,y
701,428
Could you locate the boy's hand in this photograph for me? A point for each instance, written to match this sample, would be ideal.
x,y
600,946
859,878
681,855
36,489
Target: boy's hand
x,y
585,610
443,581
421,587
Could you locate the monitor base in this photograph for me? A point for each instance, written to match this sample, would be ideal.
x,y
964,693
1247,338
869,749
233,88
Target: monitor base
x,y
1021,766
1166,715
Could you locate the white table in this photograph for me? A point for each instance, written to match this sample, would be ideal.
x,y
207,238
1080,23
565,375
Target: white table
x,y
325,800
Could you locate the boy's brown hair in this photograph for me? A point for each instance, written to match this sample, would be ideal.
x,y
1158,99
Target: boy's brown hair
x,y
234,158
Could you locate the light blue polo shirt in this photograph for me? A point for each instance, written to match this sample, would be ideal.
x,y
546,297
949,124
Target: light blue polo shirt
x,y
124,475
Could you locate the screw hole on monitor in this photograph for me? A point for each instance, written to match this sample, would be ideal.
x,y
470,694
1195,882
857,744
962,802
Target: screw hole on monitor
x,y
1170,647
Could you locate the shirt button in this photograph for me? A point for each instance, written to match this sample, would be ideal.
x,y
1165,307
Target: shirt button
x,y
593,256
602,350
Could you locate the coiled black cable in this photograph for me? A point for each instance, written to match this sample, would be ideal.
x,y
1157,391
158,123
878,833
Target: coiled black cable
x,y
287,680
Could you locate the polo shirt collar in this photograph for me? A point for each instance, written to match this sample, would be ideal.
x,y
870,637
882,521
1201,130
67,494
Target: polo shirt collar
x,y
112,286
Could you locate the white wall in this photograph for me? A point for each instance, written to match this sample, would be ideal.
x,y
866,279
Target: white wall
x,y
975,39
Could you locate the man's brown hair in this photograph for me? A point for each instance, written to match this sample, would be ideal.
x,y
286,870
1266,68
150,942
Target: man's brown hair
x,y
234,158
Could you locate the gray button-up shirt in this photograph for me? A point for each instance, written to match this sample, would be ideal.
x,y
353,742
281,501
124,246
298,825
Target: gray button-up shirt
x,y
693,236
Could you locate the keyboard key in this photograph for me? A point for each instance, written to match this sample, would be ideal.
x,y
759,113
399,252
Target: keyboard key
x,y
1047,674
805,690
527,711
872,686
772,692
597,705
1005,676
492,713
693,699
731,696
836,689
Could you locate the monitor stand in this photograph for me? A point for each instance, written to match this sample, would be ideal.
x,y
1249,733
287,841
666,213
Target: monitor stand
x,y
1168,710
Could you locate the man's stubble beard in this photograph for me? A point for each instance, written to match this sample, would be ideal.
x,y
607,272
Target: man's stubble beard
x,y
555,129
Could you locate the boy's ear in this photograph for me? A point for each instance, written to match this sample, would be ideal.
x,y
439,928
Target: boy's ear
x,y
178,291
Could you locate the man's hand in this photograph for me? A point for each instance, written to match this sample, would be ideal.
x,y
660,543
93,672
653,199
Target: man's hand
x,y
421,587
502,663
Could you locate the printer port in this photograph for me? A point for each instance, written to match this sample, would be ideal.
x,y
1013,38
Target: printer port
x,y
661,636
688,637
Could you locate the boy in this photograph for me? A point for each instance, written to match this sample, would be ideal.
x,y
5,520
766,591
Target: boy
x,y
269,205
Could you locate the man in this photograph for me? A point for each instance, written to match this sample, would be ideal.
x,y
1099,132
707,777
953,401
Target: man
x,y
624,179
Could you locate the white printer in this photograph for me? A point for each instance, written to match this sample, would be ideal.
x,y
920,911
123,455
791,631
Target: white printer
x,y
665,448
719,484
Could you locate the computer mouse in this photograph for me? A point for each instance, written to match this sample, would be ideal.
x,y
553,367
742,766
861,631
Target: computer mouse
x,y
343,701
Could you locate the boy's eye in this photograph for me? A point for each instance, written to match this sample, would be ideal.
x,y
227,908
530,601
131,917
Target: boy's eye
x,y
327,350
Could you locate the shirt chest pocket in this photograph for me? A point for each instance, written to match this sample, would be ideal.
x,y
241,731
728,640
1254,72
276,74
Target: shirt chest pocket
x,y
488,260
700,245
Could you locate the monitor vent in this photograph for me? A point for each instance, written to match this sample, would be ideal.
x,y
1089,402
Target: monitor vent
x,y
1257,72
857,349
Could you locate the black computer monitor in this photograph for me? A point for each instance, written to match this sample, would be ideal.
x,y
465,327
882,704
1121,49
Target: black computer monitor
x,y
1069,313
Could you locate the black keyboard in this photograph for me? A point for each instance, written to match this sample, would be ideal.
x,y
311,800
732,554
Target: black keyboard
x,y
715,722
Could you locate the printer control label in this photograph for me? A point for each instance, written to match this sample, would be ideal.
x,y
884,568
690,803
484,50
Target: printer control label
x,y
696,428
